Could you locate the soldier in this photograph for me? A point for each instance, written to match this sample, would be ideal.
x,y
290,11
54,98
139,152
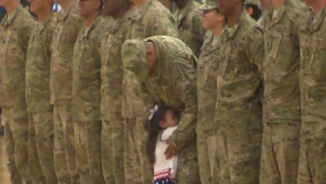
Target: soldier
x,y
190,25
15,31
164,66
206,93
312,164
238,106
86,96
281,108
40,111
111,91
65,34
149,18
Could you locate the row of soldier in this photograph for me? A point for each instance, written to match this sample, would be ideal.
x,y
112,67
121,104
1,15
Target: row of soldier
x,y
75,89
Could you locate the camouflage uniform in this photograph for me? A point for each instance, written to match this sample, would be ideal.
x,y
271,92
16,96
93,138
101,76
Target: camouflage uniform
x,y
111,102
173,82
206,94
86,100
238,107
281,108
150,19
41,126
15,30
312,164
65,34
190,26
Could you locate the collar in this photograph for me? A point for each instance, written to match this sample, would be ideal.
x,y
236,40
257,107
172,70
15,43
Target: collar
x,y
181,14
277,19
9,18
64,13
319,19
43,24
116,24
232,31
140,11
88,30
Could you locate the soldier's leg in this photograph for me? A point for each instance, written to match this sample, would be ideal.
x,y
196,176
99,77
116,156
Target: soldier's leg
x,y
141,136
223,158
131,158
107,150
269,173
313,162
15,176
18,121
203,160
35,166
69,137
244,153
188,169
286,145
44,127
117,135
60,163
94,151
213,158
81,152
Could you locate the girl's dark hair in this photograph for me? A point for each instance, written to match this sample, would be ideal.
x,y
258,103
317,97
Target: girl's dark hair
x,y
256,12
154,129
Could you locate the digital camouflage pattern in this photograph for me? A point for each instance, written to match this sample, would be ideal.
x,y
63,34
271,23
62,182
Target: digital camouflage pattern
x,y
38,66
281,109
150,19
15,31
41,126
68,26
87,72
238,106
173,82
86,100
190,26
206,94
111,100
312,164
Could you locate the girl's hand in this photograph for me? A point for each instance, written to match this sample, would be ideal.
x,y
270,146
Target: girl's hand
x,y
170,151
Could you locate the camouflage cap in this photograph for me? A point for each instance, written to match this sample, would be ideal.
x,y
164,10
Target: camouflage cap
x,y
133,55
209,5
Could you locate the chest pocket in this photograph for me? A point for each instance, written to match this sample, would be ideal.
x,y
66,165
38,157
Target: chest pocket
x,y
317,62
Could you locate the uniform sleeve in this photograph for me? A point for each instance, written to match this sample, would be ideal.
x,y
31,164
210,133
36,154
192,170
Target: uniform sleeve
x,y
255,48
198,26
164,25
146,97
184,79
27,26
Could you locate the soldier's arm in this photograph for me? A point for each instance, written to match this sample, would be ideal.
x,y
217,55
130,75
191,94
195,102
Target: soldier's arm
x,y
198,26
25,31
255,48
184,79
164,25
146,97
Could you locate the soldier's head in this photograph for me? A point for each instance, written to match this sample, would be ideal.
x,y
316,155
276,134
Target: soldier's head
x,y
37,6
5,3
88,8
227,7
115,7
139,57
252,9
211,15
265,4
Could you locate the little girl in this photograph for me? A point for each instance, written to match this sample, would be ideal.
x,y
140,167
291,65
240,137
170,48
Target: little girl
x,y
162,123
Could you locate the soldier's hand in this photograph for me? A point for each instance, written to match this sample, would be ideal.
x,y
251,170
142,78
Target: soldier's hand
x,y
170,151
